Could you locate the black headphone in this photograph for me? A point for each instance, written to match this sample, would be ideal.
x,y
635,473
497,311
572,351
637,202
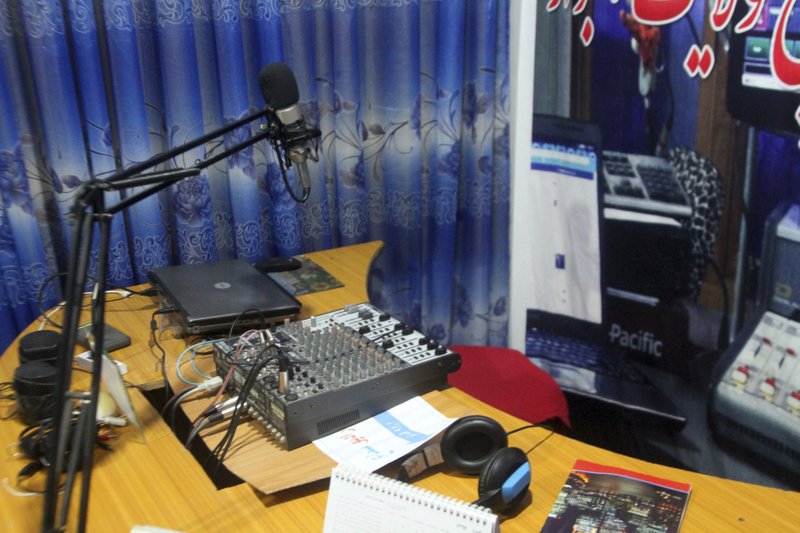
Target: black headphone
x,y
478,445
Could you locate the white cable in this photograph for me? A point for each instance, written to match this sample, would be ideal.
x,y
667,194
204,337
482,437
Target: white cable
x,y
15,492
210,384
46,318
179,362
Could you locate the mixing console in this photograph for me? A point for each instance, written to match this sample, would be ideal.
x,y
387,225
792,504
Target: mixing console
x,y
756,402
322,374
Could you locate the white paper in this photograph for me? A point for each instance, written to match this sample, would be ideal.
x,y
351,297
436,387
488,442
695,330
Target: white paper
x,y
385,437
112,378
361,501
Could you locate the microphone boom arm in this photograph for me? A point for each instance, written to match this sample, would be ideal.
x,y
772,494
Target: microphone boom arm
x,y
90,210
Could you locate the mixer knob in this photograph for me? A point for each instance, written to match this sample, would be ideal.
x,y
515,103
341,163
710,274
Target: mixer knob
x,y
741,375
793,402
767,388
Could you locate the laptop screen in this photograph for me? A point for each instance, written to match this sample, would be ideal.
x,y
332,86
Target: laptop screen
x,y
563,192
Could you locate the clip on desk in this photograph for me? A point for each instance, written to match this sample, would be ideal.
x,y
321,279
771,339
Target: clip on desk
x,y
157,482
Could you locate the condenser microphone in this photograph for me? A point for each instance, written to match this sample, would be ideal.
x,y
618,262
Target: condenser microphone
x,y
279,88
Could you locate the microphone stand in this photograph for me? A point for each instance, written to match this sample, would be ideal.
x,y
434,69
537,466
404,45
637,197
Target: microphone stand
x,y
91,212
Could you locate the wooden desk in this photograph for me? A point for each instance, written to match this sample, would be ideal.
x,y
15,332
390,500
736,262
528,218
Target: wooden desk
x,y
160,483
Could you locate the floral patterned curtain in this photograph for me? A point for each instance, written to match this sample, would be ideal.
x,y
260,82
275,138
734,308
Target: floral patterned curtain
x,y
411,98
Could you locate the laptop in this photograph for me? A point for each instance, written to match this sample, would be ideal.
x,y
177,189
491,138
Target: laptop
x,y
213,297
566,330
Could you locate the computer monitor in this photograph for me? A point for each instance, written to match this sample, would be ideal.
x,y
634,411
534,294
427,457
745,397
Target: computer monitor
x,y
754,94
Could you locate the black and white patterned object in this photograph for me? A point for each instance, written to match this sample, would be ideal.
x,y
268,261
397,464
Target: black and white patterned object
x,y
703,184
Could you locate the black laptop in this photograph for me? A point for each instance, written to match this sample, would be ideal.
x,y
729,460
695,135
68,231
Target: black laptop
x,y
213,297
566,331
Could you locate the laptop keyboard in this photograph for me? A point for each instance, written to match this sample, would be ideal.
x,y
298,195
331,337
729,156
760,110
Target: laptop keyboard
x,y
579,354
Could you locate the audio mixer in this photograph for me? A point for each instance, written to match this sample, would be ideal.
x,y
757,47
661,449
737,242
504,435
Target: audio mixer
x,y
324,373
757,399
755,394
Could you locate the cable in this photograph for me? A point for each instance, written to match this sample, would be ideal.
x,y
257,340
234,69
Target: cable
x,y
542,441
40,298
220,413
243,339
193,360
123,293
243,314
177,398
531,426
16,491
722,338
153,327
180,397
221,450
194,365
200,426
179,362
151,291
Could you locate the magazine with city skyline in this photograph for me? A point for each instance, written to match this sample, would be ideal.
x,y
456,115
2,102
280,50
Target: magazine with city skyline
x,y
605,498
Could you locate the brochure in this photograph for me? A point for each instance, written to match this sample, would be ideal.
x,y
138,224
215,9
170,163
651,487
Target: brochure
x,y
605,498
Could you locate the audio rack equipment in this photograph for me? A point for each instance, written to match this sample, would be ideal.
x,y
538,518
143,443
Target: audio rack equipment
x,y
333,370
644,183
756,400
755,388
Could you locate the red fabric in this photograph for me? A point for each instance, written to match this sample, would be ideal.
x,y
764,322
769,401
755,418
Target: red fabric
x,y
509,381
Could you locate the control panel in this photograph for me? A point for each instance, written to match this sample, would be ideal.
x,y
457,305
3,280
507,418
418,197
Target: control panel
x,y
643,183
756,401
767,367
319,375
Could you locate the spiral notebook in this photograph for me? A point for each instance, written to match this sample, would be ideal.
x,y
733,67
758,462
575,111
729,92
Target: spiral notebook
x,y
362,501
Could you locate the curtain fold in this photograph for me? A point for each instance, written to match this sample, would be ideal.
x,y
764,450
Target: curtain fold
x,y
411,98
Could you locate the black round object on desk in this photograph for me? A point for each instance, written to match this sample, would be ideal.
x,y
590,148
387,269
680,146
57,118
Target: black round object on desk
x,y
39,346
35,388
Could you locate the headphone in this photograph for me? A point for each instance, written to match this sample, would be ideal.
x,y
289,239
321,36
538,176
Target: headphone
x,y
478,445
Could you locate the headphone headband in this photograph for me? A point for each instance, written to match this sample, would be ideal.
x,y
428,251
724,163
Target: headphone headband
x,y
478,445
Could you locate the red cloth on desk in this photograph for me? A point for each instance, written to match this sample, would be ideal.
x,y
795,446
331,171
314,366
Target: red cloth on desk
x,y
509,381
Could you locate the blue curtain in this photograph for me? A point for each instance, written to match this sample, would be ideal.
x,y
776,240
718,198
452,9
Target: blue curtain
x,y
411,98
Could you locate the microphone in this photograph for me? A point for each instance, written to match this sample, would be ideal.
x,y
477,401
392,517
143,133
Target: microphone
x,y
279,88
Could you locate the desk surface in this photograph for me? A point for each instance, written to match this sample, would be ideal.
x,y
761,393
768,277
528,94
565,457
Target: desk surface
x,y
159,483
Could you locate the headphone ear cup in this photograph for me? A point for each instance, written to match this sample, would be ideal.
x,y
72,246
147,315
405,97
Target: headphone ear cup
x,y
470,441
503,483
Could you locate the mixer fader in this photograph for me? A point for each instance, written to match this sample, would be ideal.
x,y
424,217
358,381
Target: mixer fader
x,y
333,370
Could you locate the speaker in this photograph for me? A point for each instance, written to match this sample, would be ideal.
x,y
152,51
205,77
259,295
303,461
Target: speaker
x,y
39,346
35,389
478,445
